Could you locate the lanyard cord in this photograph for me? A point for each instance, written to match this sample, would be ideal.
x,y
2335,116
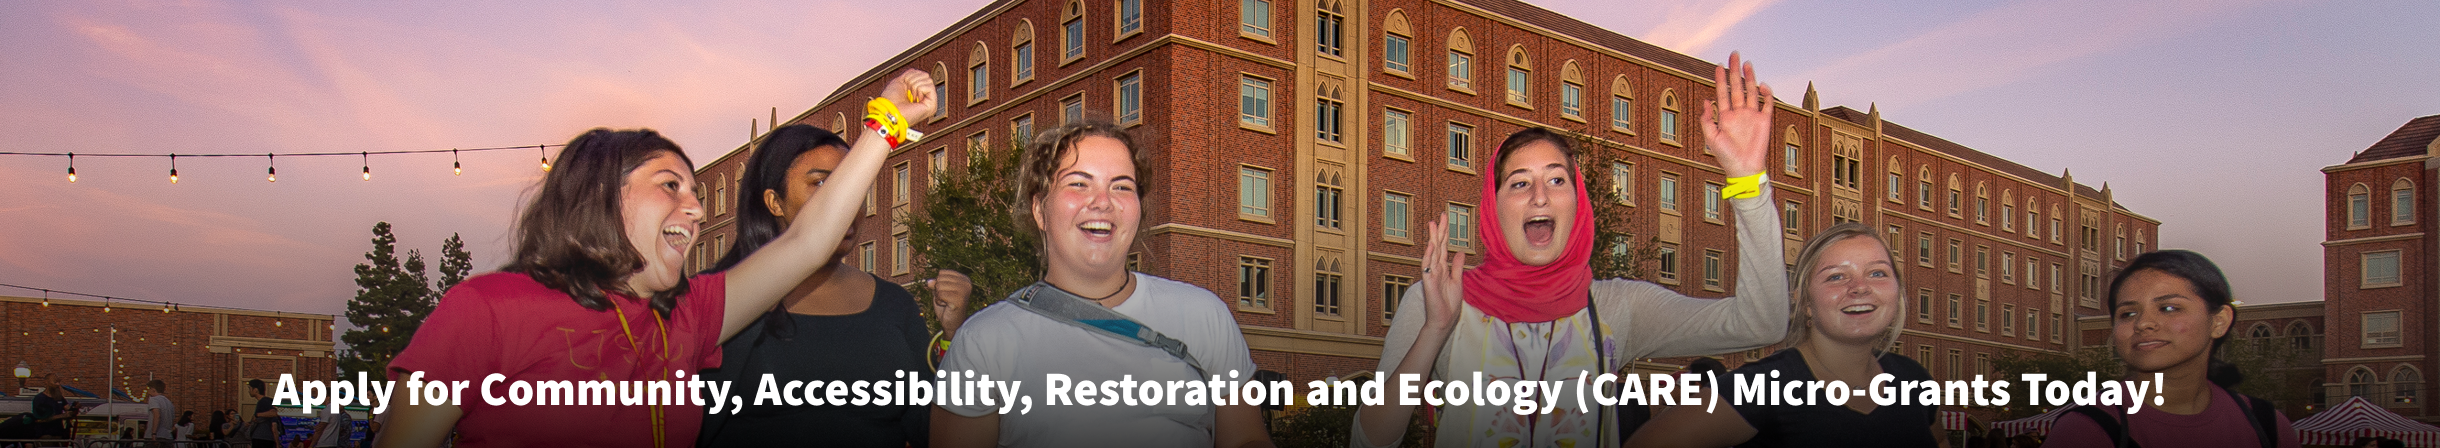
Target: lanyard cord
x,y
660,437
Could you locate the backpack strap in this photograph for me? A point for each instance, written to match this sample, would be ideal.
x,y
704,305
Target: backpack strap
x,y
2110,424
1064,307
2262,415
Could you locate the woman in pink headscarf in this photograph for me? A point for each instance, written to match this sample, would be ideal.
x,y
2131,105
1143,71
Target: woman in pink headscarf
x,y
1532,311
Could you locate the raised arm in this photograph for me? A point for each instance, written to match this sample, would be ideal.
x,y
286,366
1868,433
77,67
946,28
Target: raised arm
x,y
1659,322
1415,339
763,278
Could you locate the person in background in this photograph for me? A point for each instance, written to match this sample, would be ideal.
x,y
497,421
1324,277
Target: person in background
x,y
160,410
332,430
2170,313
263,429
186,426
212,429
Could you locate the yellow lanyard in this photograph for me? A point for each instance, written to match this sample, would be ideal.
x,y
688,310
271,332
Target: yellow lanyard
x,y
659,433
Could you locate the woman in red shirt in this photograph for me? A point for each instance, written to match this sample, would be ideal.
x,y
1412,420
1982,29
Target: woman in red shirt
x,y
595,292
2170,311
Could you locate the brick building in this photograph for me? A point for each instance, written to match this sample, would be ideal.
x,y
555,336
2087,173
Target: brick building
x,y
1301,146
204,355
2377,276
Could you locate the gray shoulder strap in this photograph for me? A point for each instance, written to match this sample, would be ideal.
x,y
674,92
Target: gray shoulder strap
x,y
1059,305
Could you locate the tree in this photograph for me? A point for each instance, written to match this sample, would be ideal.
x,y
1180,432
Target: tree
x,y
1615,254
965,224
392,298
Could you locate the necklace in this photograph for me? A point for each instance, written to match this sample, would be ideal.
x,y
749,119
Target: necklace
x,y
1122,287
659,427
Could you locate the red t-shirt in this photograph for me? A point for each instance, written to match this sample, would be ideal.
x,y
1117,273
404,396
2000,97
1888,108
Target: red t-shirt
x,y
509,324
2220,425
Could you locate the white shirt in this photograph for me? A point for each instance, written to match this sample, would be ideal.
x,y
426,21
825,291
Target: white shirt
x,y
1010,343
335,428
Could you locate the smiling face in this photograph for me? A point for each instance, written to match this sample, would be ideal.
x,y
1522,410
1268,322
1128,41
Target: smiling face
x,y
2159,323
1852,291
1537,203
1090,211
805,177
660,217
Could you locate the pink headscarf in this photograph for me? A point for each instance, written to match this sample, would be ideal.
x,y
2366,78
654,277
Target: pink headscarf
x,y
1516,292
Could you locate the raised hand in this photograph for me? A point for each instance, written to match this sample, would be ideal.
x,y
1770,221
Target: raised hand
x,y
912,93
1737,121
949,292
1442,282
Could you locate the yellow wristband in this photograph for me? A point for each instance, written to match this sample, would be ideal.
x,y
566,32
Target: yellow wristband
x,y
880,110
1745,187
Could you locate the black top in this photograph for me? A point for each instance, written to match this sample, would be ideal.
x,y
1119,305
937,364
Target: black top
x,y
261,406
1824,424
872,345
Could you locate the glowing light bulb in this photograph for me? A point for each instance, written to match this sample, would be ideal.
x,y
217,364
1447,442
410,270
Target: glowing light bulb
x,y
274,175
457,169
173,175
71,174
368,173
546,165
272,168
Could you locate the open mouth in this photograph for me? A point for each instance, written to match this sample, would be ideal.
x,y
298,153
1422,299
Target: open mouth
x,y
1540,229
1096,228
677,236
1858,310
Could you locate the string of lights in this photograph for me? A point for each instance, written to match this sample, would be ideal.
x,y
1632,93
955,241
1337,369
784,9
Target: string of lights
x,y
109,303
271,160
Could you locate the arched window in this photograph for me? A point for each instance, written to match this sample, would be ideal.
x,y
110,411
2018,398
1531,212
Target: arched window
x,y
2007,210
1397,44
2360,381
1329,111
1071,32
1461,61
1897,181
2359,207
2401,202
2259,331
1957,193
1982,203
1923,188
2300,335
940,86
978,74
1622,105
1021,53
1520,77
1571,91
2033,216
2405,384
1330,30
1792,158
1669,115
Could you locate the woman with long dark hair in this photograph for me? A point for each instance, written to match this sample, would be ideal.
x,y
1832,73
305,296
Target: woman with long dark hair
x,y
1532,310
840,325
2170,314
594,291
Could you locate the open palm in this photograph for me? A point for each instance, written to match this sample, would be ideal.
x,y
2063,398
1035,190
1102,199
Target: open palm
x,y
1737,121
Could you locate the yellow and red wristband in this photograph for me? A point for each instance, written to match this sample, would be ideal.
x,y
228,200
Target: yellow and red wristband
x,y
882,117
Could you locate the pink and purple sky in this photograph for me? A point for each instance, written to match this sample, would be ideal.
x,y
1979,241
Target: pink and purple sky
x,y
2212,116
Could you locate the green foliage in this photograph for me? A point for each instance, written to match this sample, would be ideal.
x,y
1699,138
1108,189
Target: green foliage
x,y
392,298
965,224
1328,426
2279,369
1615,252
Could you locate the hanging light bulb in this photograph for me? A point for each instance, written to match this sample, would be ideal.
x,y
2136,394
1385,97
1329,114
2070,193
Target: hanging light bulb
x,y
173,171
368,165
454,166
165,308
71,167
274,171
105,308
546,158
46,294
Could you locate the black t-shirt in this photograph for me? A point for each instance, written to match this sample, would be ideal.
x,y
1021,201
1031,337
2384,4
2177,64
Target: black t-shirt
x,y
273,423
872,345
1824,424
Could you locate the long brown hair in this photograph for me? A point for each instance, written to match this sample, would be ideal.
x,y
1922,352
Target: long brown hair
x,y
571,238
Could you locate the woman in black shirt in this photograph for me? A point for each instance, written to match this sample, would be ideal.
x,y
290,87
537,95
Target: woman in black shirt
x,y
841,324
1849,306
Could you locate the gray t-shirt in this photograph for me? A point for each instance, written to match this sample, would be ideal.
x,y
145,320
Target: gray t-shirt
x,y
165,425
1010,343
335,428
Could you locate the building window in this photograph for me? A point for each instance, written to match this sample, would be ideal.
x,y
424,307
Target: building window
x,y
1130,16
1711,270
1792,159
2381,329
1982,315
1021,56
1669,192
2033,268
1923,305
1571,92
2007,268
864,257
1982,261
1956,198
2359,207
1669,116
1924,352
2054,227
936,165
1254,101
1254,283
1397,134
2380,269
1254,18
1622,105
1396,215
1957,255
1957,309
1622,182
2007,320
2033,323
2054,277
1461,146
1789,217
1669,264
1393,288
1023,125
1461,61
2057,326
2404,385
1253,193
1326,194
978,75
1982,205
1923,191
1071,109
1957,363
1071,33
1923,249
1897,182
1895,242
1397,53
1846,164
1328,116
1326,287
1131,98
1329,29
1711,202
899,176
900,255
1520,78
1461,226
2402,202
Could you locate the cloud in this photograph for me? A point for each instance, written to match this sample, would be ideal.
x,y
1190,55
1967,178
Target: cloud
x,y
1691,27
2011,43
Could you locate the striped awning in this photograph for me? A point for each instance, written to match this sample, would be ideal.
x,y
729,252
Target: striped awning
x,y
2343,423
2037,425
1956,421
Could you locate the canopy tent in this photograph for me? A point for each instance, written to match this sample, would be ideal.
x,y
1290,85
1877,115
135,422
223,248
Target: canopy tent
x,y
2343,423
1956,421
2038,424
74,390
